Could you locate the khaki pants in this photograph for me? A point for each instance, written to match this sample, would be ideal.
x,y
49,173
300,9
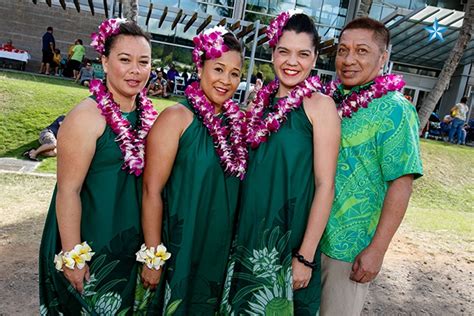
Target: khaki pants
x,y
340,296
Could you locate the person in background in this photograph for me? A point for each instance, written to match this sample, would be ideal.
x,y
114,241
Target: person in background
x,y
56,61
78,53
47,139
48,46
459,114
171,75
86,74
8,46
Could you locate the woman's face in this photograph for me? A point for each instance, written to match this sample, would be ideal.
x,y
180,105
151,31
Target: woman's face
x,y
293,58
220,77
127,66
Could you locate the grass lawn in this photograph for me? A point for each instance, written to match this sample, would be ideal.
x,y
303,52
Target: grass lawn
x,y
28,103
442,199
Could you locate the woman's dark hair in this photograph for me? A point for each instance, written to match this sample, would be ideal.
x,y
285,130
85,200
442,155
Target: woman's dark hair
x,y
259,75
79,41
129,28
301,23
231,42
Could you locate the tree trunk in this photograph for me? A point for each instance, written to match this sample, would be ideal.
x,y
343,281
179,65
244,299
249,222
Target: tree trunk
x,y
364,8
130,9
465,34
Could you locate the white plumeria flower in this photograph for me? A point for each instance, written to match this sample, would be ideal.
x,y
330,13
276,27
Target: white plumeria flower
x,y
218,28
58,261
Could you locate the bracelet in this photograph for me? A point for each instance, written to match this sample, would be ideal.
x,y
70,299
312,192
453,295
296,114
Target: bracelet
x,y
76,258
153,258
313,265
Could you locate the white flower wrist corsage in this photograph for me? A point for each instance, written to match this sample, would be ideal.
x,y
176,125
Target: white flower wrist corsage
x,y
154,258
76,258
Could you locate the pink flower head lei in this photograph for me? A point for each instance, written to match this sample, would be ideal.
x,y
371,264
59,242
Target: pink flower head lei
x,y
360,97
209,43
131,141
275,29
228,138
259,129
106,29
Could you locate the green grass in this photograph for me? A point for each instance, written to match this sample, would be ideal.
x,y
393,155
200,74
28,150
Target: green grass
x,y
442,200
28,103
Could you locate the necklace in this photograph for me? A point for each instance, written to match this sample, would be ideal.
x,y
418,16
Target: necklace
x,y
131,141
360,97
259,129
233,156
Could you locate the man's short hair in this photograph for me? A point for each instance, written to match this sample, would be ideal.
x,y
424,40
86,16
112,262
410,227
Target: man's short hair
x,y
381,33
464,100
50,28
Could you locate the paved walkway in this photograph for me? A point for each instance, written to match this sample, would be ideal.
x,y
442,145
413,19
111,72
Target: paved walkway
x,y
21,166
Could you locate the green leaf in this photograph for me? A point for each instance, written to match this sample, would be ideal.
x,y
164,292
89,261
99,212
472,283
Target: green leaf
x,y
171,309
102,273
245,291
97,263
108,286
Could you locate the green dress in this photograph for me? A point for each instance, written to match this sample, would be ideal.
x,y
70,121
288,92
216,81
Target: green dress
x,y
198,218
110,223
275,203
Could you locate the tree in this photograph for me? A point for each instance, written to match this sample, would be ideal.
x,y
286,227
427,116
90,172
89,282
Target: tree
x,y
465,34
364,8
130,9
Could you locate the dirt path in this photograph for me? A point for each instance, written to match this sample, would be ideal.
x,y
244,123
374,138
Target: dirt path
x,y
423,273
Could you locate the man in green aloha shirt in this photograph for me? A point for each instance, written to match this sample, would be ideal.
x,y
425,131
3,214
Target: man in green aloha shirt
x,y
378,160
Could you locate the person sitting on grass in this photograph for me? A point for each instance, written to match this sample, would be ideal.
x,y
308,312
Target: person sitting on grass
x,y
85,75
47,139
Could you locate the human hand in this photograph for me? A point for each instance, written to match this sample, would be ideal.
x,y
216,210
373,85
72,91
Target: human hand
x,y
367,265
76,277
301,275
150,277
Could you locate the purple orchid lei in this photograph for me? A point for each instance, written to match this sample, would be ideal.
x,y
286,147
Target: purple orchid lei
x,y
107,28
131,141
259,129
210,43
361,99
275,29
233,156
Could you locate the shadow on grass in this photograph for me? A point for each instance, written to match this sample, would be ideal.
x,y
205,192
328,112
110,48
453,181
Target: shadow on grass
x,y
17,152
28,76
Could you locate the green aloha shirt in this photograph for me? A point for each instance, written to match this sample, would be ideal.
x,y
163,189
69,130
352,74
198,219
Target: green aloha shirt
x,y
378,144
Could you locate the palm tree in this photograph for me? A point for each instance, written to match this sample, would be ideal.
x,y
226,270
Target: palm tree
x,y
465,34
130,9
364,8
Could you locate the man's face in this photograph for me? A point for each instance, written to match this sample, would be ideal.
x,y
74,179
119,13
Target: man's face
x,y
359,57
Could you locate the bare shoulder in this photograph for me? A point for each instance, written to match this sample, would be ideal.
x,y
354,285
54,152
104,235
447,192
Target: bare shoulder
x,y
176,117
85,116
319,105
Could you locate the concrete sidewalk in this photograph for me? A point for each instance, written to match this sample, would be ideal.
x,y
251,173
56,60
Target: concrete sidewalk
x,y
21,166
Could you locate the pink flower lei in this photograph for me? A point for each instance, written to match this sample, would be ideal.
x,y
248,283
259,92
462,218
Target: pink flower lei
x,y
107,28
233,156
361,98
259,129
275,29
131,141
209,43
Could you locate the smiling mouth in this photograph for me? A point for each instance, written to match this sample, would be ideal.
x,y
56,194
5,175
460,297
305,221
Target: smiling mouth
x,y
221,90
290,72
133,83
349,73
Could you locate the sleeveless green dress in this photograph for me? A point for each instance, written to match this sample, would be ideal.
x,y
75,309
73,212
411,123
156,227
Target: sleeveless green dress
x,y
199,213
275,202
110,223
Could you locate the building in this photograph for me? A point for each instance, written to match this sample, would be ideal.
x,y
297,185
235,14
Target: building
x,y
173,23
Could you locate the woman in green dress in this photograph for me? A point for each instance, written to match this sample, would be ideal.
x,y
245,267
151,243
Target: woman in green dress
x,y
287,194
92,231
195,156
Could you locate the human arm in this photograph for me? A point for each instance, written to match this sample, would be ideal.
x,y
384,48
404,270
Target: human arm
x,y
322,113
369,261
76,147
161,148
